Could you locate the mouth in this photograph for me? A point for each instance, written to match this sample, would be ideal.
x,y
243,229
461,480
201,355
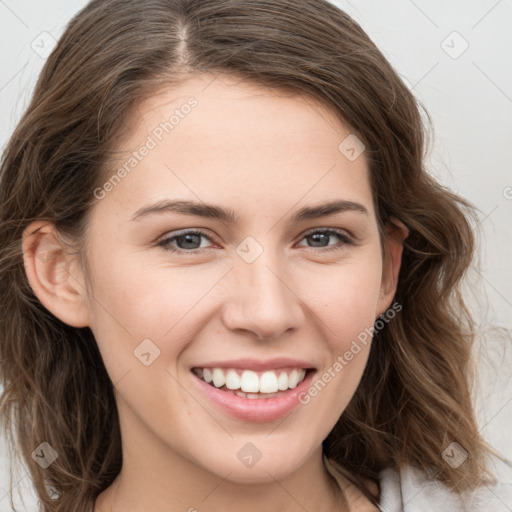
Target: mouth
x,y
252,384
253,395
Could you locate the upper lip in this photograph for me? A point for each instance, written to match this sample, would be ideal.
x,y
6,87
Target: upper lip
x,y
258,364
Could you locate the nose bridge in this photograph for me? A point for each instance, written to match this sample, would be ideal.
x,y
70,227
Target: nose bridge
x,y
262,300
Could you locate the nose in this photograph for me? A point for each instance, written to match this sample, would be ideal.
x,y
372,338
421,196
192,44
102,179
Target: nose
x,y
262,299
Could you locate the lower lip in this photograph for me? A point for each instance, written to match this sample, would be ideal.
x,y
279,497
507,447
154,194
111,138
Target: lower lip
x,y
257,410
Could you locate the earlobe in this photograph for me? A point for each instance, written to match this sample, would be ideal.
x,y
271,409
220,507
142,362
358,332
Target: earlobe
x,y
396,233
50,269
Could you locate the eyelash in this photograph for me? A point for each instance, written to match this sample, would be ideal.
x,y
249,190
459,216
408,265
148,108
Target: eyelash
x,y
165,243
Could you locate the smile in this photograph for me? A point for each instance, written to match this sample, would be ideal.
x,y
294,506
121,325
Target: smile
x,y
250,395
252,384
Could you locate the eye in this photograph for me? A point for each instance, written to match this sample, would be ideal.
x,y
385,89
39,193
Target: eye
x,y
188,242
321,237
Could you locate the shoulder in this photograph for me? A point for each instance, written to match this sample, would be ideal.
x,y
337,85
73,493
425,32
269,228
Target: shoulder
x,y
412,490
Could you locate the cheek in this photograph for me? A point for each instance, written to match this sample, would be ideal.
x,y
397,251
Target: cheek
x,y
147,299
347,312
349,296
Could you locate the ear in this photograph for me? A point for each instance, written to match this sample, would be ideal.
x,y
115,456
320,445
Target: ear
x,y
396,233
54,274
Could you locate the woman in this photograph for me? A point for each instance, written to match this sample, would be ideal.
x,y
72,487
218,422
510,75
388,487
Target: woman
x,y
227,279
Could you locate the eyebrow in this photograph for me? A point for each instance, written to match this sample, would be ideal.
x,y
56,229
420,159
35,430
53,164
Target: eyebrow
x,y
227,215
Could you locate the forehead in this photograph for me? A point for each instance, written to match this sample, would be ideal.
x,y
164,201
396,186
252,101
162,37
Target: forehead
x,y
220,139
224,104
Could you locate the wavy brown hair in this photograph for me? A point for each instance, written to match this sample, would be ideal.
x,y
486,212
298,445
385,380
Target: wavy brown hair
x,y
414,398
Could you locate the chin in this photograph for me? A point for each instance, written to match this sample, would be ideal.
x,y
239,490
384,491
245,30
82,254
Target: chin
x,y
269,467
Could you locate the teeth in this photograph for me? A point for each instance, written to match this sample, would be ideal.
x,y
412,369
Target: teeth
x,y
256,396
219,379
282,381
207,375
268,383
232,380
249,382
293,379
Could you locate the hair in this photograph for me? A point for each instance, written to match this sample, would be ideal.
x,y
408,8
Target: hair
x,y
414,397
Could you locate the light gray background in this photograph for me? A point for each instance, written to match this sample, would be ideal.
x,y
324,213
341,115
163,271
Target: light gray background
x,y
468,94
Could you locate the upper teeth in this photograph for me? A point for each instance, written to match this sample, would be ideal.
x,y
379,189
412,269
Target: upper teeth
x,y
250,381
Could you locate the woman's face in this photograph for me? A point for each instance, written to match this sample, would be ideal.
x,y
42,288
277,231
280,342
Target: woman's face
x,y
272,285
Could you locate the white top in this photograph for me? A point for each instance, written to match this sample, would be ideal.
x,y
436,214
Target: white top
x,y
410,490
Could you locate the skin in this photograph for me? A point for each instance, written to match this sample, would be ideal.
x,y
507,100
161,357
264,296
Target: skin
x,y
264,154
